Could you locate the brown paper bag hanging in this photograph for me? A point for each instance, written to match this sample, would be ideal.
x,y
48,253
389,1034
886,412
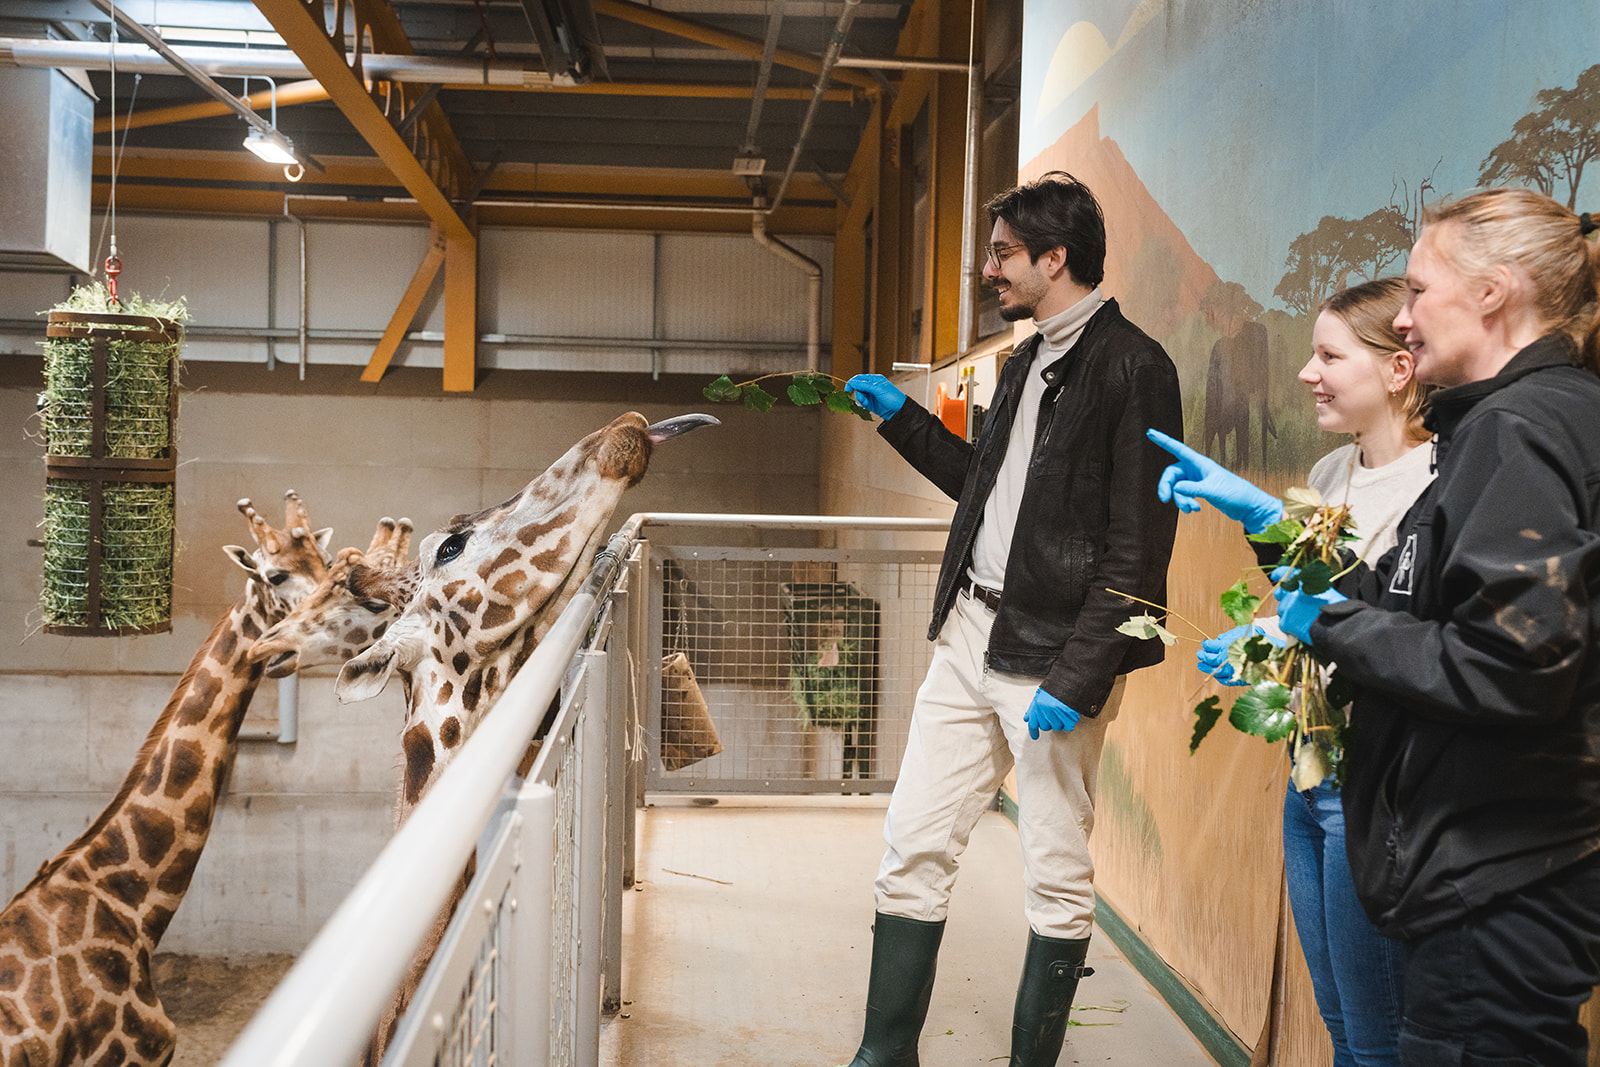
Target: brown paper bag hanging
x,y
687,733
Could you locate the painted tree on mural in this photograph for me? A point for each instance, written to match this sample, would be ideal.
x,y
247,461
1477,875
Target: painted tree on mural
x,y
1550,145
1340,251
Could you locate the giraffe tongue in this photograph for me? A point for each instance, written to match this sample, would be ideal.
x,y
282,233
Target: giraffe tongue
x,y
281,665
676,427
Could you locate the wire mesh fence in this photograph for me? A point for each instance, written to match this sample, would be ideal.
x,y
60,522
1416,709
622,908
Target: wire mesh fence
x,y
787,671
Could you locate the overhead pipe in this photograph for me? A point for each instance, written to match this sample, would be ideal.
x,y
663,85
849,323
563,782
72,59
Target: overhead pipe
x,y
763,76
829,59
275,62
966,314
758,230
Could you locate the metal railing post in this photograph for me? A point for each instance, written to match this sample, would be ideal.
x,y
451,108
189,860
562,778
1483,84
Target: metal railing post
x,y
618,802
590,837
528,968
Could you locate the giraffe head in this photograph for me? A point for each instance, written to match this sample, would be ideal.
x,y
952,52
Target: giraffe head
x,y
362,593
492,582
287,564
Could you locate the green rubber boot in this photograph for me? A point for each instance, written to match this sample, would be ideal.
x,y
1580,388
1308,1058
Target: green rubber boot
x,y
1050,976
904,952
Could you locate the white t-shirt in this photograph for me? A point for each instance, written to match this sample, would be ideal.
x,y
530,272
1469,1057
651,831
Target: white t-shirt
x,y
1378,496
992,546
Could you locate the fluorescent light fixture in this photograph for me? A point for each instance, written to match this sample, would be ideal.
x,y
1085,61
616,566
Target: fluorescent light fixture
x,y
272,147
749,165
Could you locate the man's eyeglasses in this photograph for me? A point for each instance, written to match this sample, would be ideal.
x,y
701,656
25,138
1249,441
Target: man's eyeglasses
x,y
997,254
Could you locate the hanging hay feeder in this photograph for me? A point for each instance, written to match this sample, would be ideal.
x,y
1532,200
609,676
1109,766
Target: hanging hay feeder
x,y
109,412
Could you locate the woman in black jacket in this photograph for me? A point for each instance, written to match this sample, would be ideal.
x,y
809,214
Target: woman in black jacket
x,y
1472,792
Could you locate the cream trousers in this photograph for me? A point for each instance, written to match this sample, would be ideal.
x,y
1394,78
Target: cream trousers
x,y
966,734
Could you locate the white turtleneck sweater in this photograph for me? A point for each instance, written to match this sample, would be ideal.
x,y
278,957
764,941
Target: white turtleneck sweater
x,y
993,545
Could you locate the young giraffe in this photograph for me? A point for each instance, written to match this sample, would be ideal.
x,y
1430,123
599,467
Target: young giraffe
x,y
353,606
75,944
492,585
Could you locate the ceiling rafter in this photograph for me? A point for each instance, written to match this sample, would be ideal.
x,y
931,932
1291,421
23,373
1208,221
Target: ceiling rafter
x,y
429,161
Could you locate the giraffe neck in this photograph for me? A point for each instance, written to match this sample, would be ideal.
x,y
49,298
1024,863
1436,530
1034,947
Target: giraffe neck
x,y
143,849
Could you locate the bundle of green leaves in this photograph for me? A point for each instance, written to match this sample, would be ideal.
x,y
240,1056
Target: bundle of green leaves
x,y
1289,692
805,387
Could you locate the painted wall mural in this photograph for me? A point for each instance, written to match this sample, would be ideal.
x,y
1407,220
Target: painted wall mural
x,y
1253,158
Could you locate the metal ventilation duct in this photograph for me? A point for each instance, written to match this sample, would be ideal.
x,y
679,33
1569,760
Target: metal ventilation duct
x,y
47,126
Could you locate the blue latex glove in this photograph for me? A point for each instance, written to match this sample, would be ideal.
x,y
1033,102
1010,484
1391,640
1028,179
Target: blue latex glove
x,y
876,393
1048,713
1212,658
1297,610
1195,478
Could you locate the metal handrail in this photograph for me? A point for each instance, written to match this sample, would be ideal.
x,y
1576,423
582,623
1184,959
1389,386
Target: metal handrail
x,y
323,1012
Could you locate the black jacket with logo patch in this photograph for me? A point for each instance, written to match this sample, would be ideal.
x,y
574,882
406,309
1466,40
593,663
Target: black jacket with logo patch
x,y
1089,519
1473,759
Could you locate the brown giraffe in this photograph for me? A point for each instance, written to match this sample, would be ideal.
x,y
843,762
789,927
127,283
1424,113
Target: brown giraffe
x,y
362,594
75,944
492,585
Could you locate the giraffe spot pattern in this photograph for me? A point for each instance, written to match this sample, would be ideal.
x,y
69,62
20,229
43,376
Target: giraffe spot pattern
x,y
110,926
471,692
434,607
175,879
201,698
452,589
226,645
77,997
512,586
250,628
151,1037
438,653
417,744
496,615
358,636
549,561
70,907
446,690
109,849
491,679
186,761
26,929
129,886
96,1026
461,661
506,558
471,600
153,833
379,630
155,771
12,972
462,626
41,998
450,732
197,819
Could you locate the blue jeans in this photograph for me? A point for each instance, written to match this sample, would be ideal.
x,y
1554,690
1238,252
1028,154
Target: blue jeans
x,y
1355,971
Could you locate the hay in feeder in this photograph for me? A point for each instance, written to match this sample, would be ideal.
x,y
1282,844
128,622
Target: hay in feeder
x,y
120,580
135,554
139,382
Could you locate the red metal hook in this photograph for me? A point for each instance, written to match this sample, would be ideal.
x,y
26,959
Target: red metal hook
x,y
113,268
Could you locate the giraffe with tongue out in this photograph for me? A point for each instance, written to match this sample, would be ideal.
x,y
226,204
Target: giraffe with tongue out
x,y
491,585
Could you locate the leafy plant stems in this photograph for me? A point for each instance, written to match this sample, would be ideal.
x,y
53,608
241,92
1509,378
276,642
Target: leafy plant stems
x,y
1204,633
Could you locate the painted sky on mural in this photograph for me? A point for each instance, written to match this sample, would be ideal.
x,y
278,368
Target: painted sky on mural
x,y
1250,121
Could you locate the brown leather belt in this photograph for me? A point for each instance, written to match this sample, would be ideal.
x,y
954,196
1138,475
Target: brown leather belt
x,y
989,598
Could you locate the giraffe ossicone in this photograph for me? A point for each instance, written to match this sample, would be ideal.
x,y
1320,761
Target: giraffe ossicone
x,y
76,942
491,585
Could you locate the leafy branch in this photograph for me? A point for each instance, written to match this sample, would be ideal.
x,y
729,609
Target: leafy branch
x,y
805,387
1289,693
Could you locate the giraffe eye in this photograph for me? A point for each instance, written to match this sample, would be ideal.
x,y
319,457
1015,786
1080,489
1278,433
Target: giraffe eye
x,y
377,607
278,577
450,547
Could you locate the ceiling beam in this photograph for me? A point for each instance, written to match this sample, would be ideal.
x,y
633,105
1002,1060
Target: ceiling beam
x,y
654,19
430,164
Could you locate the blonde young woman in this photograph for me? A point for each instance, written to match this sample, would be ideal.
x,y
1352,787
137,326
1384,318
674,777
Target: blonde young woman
x,y
1472,779
1362,379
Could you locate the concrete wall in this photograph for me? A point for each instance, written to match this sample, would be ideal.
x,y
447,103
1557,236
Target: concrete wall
x,y
301,822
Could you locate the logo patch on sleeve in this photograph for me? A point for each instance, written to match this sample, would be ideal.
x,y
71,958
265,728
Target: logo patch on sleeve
x,y
1405,568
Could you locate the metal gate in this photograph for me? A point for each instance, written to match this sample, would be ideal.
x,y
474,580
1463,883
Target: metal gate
x,y
783,670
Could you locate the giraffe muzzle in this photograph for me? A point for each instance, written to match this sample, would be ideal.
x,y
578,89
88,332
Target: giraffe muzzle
x,y
667,429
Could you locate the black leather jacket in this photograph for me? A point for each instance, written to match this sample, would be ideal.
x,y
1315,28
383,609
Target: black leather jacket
x,y
1473,761
1089,519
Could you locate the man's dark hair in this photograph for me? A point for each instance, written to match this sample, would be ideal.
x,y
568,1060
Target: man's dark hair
x,y
1057,210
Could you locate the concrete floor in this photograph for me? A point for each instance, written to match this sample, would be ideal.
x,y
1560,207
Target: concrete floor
x,y
748,942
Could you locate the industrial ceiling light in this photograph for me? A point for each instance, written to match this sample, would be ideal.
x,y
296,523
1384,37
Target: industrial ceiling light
x,y
271,146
